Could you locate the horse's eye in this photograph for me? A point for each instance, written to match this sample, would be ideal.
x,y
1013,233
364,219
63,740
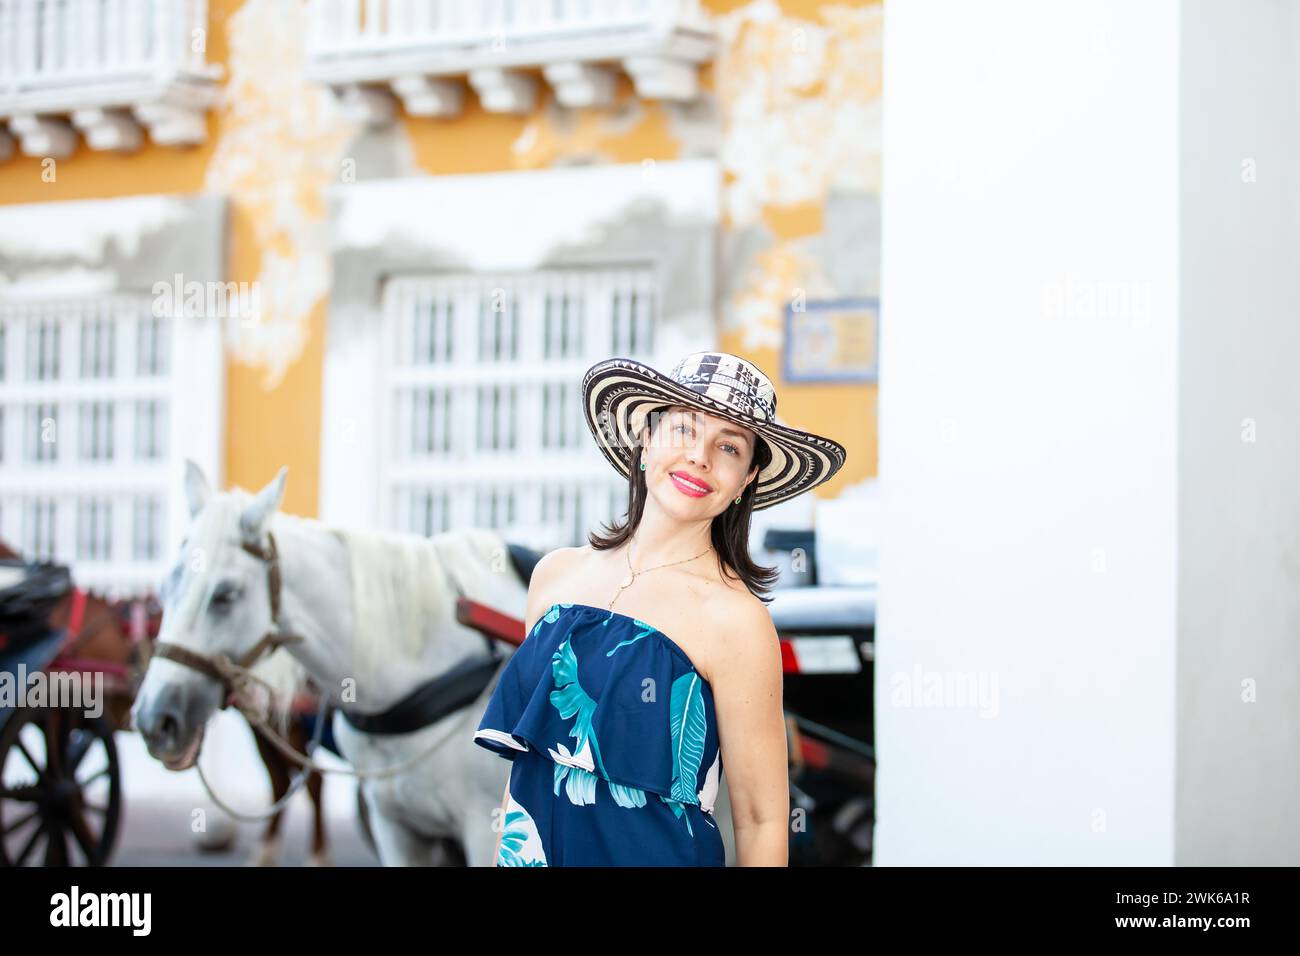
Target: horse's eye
x,y
225,597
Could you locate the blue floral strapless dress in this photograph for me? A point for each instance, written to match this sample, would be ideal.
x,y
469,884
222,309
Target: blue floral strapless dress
x,y
614,745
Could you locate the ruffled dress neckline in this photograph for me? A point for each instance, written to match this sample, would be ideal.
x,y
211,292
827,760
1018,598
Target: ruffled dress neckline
x,y
637,622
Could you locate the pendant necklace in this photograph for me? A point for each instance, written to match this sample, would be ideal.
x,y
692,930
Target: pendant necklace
x,y
633,575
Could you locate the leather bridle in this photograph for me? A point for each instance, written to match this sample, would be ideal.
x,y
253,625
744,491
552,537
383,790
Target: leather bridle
x,y
427,704
231,675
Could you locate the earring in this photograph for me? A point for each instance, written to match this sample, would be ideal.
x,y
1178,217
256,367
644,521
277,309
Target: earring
x,y
643,466
737,499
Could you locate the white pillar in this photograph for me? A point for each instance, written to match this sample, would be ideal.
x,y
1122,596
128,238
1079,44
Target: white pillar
x,y
1238,749
1082,303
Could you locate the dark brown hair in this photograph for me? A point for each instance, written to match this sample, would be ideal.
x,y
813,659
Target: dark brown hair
x,y
730,529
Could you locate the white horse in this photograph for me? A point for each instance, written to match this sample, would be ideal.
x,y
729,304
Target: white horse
x,y
375,614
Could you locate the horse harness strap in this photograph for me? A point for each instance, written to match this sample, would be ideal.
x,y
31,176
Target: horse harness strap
x,y
431,701
438,697
220,668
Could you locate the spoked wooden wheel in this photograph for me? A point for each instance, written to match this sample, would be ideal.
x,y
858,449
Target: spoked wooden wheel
x,y
60,789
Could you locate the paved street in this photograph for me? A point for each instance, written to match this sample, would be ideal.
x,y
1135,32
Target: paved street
x,y
156,832
159,805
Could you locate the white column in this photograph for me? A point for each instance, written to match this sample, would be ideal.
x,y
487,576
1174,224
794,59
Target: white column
x,y
1238,455
1088,421
1028,461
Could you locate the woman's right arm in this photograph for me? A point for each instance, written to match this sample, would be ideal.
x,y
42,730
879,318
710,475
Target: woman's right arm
x,y
505,802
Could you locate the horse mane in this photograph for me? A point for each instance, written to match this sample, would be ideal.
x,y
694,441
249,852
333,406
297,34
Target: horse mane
x,y
401,582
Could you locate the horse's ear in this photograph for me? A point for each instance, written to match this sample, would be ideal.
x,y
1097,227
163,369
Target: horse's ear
x,y
197,489
265,504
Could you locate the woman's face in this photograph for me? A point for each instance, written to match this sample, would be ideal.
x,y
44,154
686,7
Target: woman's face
x,y
696,463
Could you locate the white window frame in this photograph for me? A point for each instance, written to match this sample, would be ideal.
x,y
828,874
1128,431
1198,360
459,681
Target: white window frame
x,y
518,345
71,492
395,240
99,262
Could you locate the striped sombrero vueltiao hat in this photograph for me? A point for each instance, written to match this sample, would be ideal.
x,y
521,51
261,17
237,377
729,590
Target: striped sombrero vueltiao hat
x,y
618,393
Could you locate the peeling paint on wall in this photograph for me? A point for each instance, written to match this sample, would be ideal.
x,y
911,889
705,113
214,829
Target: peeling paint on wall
x,y
757,308
802,104
281,142
801,101
94,247
556,136
84,230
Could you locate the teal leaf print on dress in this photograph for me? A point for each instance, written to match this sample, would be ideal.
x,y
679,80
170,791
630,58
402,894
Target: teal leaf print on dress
x,y
572,701
553,614
520,843
550,617
581,785
626,796
689,726
646,630
679,811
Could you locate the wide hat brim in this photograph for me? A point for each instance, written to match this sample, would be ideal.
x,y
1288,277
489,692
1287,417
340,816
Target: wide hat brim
x,y
618,393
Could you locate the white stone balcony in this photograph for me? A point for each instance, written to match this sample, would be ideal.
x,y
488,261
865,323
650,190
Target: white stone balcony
x,y
111,70
374,52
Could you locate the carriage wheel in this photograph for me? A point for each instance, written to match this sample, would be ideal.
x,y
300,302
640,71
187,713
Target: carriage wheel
x,y
60,789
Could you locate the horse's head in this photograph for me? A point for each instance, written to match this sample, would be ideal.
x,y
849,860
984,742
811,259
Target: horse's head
x,y
215,601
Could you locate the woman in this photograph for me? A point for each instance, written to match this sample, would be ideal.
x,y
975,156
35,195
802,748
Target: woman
x,y
650,655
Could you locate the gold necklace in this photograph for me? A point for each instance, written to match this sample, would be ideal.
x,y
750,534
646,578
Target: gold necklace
x,y
633,575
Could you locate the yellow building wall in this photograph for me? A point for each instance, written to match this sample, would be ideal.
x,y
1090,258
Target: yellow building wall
x,y
791,78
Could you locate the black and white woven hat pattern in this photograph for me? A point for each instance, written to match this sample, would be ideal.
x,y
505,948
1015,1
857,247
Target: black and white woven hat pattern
x,y
618,393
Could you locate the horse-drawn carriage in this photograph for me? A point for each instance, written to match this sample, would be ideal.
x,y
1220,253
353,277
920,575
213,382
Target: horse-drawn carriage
x,y
61,699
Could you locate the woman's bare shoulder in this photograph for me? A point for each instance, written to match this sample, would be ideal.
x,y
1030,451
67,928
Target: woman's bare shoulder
x,y
553,571
549,574
740,602
737,614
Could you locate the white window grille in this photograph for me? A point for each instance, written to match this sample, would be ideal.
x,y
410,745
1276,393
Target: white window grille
x,y
151,346
97,347
42,431
94,528
95,429
84,437
480,384
146,519
150,429
38,528
43,350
